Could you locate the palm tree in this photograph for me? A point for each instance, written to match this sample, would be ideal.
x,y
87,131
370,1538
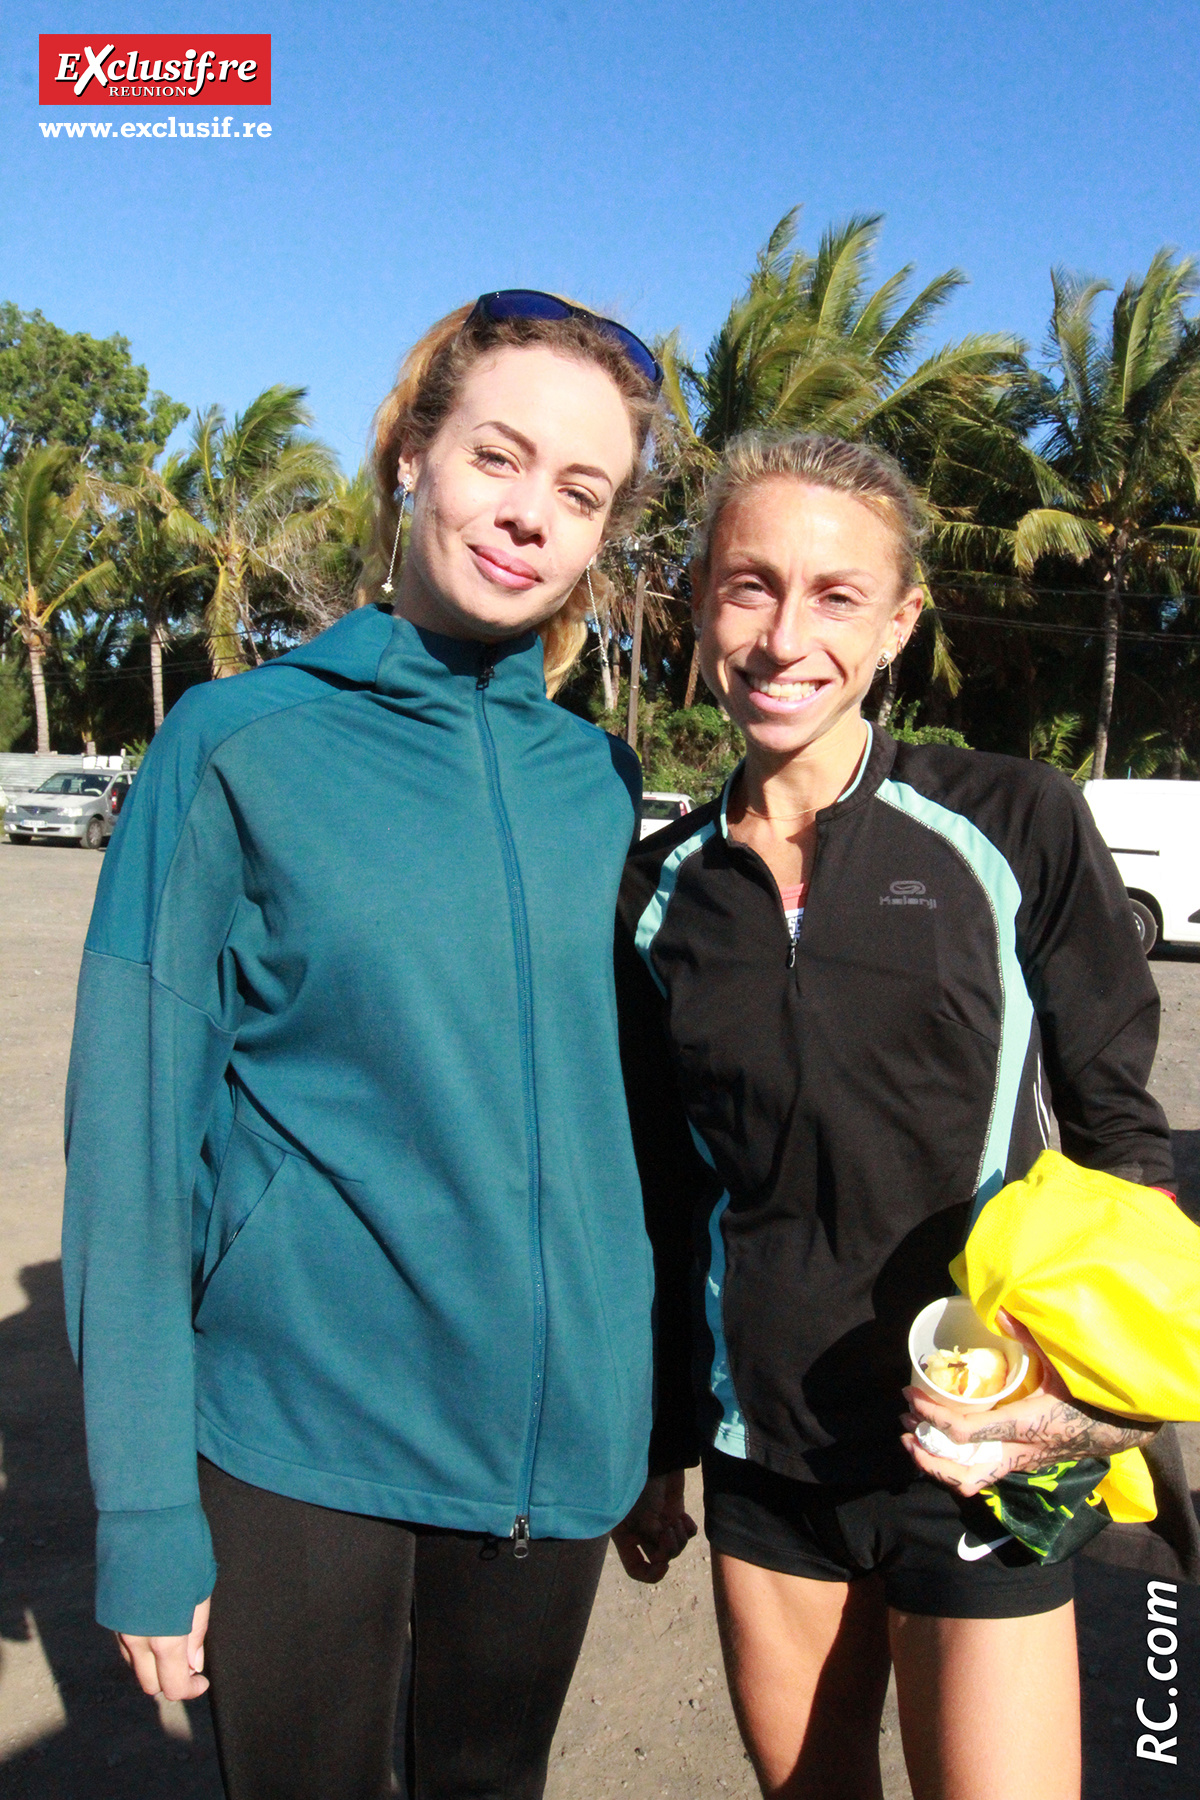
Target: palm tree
x,y
325,579
157,572
1121,452
810,345
83,656
262,495
46,540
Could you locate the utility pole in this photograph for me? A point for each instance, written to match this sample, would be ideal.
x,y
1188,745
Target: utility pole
x,y
635,660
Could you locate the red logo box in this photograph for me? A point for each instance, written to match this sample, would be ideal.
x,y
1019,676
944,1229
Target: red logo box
x,y
134,69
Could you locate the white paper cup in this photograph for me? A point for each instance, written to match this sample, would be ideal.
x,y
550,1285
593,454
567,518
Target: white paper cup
x,y
954,1323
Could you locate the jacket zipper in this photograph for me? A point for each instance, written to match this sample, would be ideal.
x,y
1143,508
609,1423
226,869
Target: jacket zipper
x,y
520,922
779,908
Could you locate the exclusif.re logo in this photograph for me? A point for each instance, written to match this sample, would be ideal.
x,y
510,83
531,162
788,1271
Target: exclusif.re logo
x,y
131,69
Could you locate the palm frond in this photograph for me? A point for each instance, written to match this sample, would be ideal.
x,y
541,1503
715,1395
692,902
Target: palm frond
x,y
879,312
945,669
672,387
898,340
839,273
1047,531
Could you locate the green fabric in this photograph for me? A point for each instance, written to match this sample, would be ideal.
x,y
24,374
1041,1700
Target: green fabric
x,y
352,1207
1051,1512
153,1569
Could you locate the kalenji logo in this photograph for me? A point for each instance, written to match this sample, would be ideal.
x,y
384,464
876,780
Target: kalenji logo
x,y
908,893
233,70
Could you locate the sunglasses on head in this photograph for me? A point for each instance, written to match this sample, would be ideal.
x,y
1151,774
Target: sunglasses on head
x,y
528,303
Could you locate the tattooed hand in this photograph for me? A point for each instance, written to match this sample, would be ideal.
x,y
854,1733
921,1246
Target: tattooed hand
x,y
1046,1427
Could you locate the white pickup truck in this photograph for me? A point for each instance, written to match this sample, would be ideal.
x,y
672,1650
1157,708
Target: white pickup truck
x,y
1153,831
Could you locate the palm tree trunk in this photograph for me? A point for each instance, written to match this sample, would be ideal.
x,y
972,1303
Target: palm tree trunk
x,y
223,619
689,698
646,739
606,680
635,660
654,663
1108,680
37,676
157,636
887,699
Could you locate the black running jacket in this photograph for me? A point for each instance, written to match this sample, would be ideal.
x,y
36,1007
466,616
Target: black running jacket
x,y
814,1123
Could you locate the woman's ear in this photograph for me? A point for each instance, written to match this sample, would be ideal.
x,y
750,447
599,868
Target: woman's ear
x,y
906,615
407,470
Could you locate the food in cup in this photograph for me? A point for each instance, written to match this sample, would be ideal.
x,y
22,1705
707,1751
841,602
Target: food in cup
x,y
972,1374
945,1343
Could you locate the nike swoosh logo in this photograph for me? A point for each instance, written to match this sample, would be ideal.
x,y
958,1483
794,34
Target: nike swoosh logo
x,y
973,1552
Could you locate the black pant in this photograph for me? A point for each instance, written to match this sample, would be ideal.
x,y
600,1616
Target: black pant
x,y
308,1637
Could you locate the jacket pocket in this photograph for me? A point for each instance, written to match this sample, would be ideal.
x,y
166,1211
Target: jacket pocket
x,y
247,1173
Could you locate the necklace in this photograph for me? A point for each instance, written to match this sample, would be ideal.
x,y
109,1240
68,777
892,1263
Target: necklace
x,y
780,818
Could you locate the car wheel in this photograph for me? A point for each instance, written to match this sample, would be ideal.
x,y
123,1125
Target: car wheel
x,y
19,837
93,835
1146,923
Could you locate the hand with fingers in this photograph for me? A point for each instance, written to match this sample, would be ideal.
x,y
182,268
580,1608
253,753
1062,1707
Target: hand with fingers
x,y
655,1530
170,1666
1046,1427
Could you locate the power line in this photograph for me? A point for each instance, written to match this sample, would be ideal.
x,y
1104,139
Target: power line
x,y
949,616
951,580
54,678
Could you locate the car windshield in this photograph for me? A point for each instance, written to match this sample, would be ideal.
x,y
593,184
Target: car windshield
x,y
660,809
75,784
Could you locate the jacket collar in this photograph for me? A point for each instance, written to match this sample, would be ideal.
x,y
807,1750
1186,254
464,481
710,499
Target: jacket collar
x,y
417,663
874,766
370,648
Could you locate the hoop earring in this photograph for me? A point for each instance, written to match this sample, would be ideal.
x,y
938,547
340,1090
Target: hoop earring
x,y
885,662
386,588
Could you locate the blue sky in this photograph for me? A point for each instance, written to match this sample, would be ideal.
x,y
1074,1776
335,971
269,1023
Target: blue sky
x,y
632,154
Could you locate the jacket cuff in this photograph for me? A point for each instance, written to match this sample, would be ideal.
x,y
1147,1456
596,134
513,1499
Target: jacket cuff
x,y
153,1569
673,1449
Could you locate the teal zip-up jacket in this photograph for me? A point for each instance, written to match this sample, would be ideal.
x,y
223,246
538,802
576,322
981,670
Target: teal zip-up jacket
x,y
352,1207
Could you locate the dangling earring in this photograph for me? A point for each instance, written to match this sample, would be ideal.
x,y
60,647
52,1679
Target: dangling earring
x,y
885,661
387,586
591,596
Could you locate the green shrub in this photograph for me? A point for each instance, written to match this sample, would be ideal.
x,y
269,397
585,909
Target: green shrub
x,y
903,726
14,705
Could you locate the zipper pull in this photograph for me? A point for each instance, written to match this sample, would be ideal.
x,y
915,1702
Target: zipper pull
x,y
792,954
487,666
520,1537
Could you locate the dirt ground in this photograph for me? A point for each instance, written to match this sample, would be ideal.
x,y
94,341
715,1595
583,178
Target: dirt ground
x,y
648,1714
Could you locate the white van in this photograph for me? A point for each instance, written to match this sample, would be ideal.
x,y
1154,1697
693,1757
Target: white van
x,y
1153,831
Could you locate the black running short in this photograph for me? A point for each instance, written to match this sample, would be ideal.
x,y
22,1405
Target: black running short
x,y
937,1553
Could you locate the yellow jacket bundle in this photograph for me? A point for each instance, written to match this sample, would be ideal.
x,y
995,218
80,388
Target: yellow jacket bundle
x,y
1106,1276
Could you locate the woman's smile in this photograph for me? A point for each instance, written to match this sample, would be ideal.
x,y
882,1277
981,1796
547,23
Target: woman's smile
x,y
800,598
780,694
502,567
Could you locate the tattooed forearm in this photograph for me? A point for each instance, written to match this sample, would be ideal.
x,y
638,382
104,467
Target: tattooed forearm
x,y
1061,1431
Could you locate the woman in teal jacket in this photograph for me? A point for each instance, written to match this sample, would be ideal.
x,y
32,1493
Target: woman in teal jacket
x,y
353,1223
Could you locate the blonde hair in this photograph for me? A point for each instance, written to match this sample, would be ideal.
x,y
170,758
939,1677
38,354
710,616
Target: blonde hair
x,y
866,474
427,386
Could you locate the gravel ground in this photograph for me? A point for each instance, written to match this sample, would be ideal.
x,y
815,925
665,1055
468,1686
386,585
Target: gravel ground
x,y
648,1713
